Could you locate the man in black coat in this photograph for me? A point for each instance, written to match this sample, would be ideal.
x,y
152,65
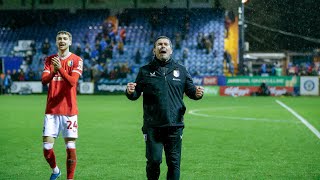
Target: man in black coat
x,y
163,83
264,89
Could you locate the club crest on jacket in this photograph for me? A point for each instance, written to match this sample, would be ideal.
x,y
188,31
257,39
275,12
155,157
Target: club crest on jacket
x,y
176,73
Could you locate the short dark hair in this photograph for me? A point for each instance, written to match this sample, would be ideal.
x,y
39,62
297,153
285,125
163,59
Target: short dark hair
x,y
65,32
162,37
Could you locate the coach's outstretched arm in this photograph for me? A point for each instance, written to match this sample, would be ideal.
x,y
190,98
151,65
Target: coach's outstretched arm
x,y
133,90
192,91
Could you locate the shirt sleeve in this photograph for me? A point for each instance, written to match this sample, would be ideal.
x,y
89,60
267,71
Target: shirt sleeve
x,y
78,67
76,73
47,64
47,74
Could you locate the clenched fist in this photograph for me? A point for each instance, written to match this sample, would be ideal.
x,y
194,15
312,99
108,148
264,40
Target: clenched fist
x,y
131,87
199,91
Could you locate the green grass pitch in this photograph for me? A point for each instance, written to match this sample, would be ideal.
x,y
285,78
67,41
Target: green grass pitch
x,y
224,138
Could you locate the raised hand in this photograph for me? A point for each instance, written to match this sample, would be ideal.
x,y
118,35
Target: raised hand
x,y
56,63
131,87
199,91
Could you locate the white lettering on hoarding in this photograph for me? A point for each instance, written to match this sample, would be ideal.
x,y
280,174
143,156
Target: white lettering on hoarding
x,y
236,91
209,81
238,80
111,88
210,90
277,92
197,80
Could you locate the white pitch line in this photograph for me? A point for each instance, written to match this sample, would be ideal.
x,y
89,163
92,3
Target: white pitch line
x,y
304,121
195,112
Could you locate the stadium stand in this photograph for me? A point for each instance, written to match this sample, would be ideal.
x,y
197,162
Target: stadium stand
x,y
201,36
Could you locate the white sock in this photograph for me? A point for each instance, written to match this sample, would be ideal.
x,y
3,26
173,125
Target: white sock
x,y
55,170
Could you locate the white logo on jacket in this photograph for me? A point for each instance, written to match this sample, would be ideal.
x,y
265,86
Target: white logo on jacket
x,y
176,73
153,74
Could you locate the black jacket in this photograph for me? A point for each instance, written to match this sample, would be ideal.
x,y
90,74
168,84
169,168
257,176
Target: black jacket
x,y
163,86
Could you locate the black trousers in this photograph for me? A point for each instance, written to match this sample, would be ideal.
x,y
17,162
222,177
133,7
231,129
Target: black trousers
x,y
169,139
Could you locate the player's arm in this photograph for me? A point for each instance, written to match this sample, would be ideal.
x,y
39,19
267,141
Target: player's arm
x,y
192,91
76,72
48,72
72,80
47,77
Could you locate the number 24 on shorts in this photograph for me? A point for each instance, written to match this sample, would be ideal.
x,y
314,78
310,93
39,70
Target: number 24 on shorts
x,y
73,125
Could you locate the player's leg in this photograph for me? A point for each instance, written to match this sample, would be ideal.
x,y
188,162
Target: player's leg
x,y
172,148
154,148
71,161
50,132
70,133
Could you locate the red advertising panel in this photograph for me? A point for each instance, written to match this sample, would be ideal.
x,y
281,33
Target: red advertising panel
x,y
210,80
278,91
247,91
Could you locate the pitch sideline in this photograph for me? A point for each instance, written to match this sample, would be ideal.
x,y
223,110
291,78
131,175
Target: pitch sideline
x,y
304,121
195,112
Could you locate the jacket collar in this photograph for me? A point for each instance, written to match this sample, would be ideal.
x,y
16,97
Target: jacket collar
x,y
157,62
170,64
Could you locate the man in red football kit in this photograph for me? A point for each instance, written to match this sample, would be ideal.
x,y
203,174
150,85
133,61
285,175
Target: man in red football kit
x,y
62,72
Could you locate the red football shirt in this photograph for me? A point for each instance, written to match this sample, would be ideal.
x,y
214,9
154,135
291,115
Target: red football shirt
x,y
62,93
